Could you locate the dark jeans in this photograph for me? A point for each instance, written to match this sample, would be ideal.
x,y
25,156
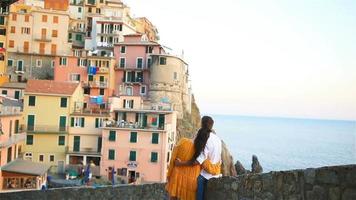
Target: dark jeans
x,y
201,185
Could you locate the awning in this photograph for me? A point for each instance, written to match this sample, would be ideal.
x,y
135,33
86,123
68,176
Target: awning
x,y
25,167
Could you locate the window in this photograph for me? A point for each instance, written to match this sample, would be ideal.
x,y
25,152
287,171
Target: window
x,y
128,103
10,62
29,139
154,157
11,43
75,77
175,75
27,18
69,36
2,20
20,65
90,78
132,156
12,29
122,62
55,19
77,122
53,49
4,92
25,30
38,63
2,31
1,44
139,63
133,137
79,9
53,63
44,18
87,90
61,140
111,154
112,135
78,37
149,49
155,138
63,102
31,100
149,62
89,9
63,61
143,90
162,60
82,62
54,33
14,17
26,47
77,53
102,91
41,158
98,122
42,48
123,49
51,158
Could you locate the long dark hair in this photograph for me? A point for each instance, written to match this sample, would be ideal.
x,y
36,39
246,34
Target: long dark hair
x,y
202,136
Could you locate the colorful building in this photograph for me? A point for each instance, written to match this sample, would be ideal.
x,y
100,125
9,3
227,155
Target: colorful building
x,y
47,107
35,36
4,13
138,142
13,90
12,136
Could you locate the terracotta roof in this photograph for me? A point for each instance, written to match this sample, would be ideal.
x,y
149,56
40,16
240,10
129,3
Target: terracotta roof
x,y
50,87
25,167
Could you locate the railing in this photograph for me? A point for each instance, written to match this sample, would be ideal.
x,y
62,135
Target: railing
x,y
10,111
92,111
136,125
143,68
85,150
43,38
14,139
96,84
103,70
95,170
45,128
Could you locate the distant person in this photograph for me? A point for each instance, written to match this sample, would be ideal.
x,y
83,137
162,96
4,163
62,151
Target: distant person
x,y
182,180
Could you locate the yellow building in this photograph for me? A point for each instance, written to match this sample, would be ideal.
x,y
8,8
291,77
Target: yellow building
x,y
47,106
4,12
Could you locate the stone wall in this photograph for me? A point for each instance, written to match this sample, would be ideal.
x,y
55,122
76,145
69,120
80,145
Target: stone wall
x,y
327,183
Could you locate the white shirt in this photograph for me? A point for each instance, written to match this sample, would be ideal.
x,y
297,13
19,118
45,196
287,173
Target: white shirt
x,y
212,151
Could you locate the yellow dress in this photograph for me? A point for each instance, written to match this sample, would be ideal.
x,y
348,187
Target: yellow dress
x,y
182,180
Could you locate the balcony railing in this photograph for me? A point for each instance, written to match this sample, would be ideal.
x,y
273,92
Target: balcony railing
x,y
129,125
91,111
103,70
96,84
14,139
10,111
43,38
46,129
84,150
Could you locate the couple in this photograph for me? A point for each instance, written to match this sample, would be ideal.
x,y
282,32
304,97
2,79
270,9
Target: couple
x,y
193,163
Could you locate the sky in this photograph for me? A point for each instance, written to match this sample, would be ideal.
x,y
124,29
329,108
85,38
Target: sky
x,y
282,58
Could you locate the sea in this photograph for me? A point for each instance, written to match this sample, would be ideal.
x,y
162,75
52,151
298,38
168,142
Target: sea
x,y
288,143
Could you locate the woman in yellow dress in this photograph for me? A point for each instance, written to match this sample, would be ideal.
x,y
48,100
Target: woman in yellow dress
x,y
182,180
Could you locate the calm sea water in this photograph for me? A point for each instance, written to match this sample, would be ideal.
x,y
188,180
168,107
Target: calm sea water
x,y
284,143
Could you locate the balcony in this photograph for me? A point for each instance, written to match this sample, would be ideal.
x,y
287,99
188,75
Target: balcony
x,y
43,39
83,151
14,139
96,84
103,70
90,111
118,67
4,111
130,125
46,129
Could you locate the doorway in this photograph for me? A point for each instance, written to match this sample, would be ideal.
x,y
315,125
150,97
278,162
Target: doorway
x,y
132,176
60,167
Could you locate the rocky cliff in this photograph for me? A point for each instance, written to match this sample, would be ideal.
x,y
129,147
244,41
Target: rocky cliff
x,y
188,126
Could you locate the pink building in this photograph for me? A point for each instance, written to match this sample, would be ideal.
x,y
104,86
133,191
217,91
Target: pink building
x,y
13,90
12,136
133,63
138,143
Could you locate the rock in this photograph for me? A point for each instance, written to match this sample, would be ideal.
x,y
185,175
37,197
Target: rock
x,y
227,167
240,168
334,193
349,194
256,167
309,175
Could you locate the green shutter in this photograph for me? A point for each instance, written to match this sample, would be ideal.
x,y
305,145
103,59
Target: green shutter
x,y
144,124
112,136
83,122
111,154
132,155
30,122
76,146
62,123
96,122
90,78
155,137
133,137
72,121
63,102
17,126
154,156
61,140
29,140
32,100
